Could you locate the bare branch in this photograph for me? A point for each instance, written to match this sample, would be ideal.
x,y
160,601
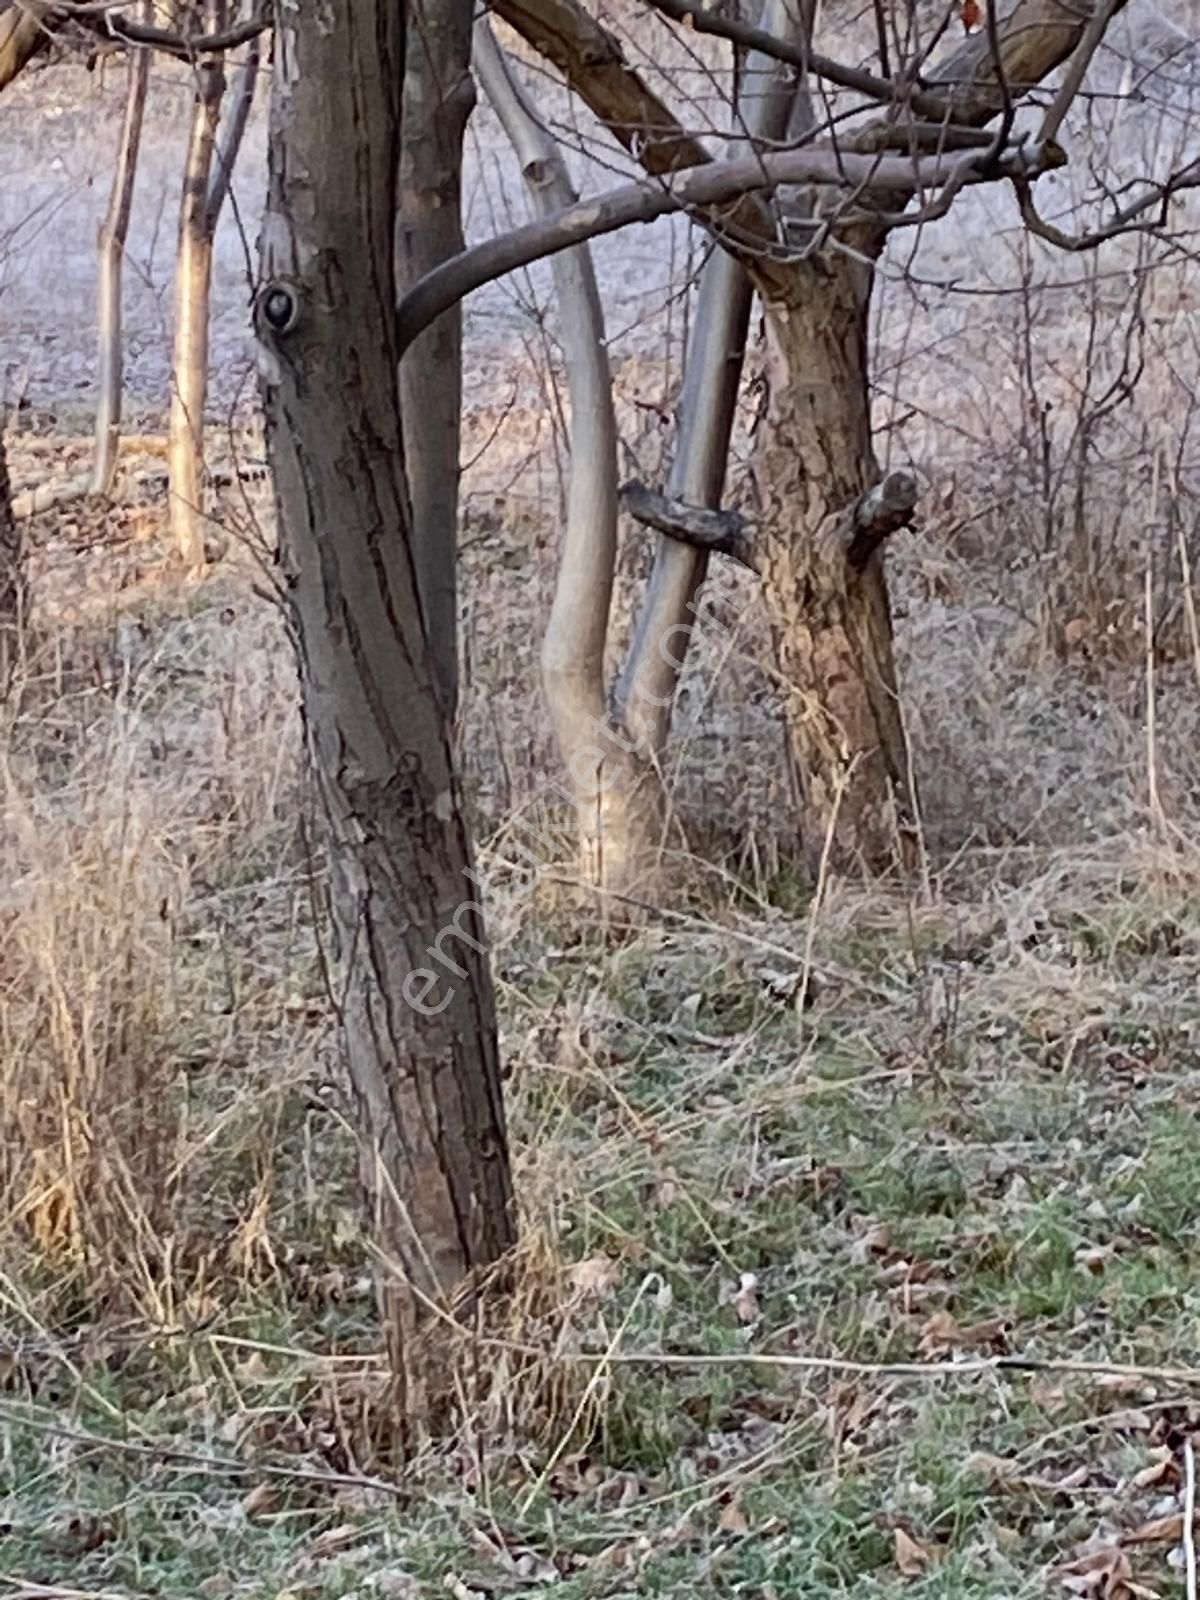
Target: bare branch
x,y
882,511
695,15
183,45
232,134
724,531
698,189
1126,220
1080,61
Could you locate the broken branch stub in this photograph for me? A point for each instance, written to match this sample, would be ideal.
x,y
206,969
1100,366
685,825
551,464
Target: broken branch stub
x,y
883,510
723,531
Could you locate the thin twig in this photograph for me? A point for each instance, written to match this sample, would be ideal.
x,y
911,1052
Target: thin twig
x,y
1189,1516
163,1453
971,1367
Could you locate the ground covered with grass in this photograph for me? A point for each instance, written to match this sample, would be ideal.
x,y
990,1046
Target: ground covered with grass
x,y
861,1232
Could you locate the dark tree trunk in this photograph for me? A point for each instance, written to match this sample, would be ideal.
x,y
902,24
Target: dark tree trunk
x,y
417,1016
438,96
830,618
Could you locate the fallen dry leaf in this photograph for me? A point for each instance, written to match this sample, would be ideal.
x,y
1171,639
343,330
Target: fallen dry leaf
x,y
995,1470
912,1559
261,1499
1159,1530
745,1301
941,1332
1159,1468
1093,1258
595,1276
1105,1573
874,1242
733,1519
333,1541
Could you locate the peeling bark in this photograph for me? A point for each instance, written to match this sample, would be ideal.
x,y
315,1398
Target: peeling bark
x,y
416,1014
822,567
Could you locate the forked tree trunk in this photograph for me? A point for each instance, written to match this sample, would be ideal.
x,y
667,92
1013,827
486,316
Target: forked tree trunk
x,y
825,590
113,235
13,595
208,173
438,97
620,805
416,1006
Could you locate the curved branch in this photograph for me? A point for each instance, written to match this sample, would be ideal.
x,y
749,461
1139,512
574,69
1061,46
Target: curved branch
x,y
182,45
1126,220
697,189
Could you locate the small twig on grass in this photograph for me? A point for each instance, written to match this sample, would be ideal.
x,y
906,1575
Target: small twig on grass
x,y
1189,1516
25,1589
162,1453
973,1366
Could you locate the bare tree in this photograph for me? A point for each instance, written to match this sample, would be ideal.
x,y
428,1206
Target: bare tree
x,y
415,997
617,795
208,169
612,745
113,234
812,267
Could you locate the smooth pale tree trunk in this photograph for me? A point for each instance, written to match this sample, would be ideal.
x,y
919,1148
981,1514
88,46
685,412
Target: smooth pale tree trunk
x,y
438,98
208,172
13,597
829,616
193,285
113,234
618,797
416,1007
712,375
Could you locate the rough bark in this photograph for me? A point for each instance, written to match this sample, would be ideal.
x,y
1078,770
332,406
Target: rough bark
x,y
193,285
13,597
416,1006
438,98
620,805
823,575
113,234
